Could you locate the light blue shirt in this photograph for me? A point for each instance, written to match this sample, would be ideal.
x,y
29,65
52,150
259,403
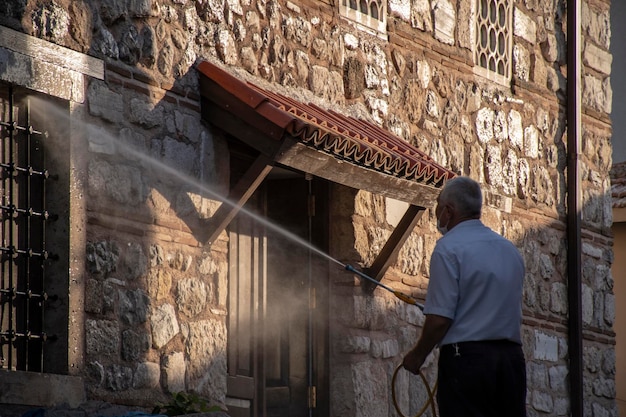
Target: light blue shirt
x,y
476,279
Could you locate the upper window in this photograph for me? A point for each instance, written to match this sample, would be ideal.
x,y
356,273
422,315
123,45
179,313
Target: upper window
x,y
368,13
494,39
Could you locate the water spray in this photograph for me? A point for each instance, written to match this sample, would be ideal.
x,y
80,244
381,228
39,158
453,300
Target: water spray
x,y
126,149
404,297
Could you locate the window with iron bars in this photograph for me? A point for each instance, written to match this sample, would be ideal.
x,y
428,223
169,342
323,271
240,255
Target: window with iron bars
x,y
33,305
494,40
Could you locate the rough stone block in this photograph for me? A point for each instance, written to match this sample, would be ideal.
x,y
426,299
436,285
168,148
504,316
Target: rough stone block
x,y
180,157
484,124
318,80
133,262
550,48
558,301
444,21
164,325
206,349
594,94
355,344
123,184
587,304
192,296
421,15
145,113
93,296
159,283
134,345
173,368
542,401
370,384
559,378
432,104
597,24
493,161
102,338
604,387
400,8
521,62
531,142
537,375
597,58
546,347
384,348
227,47
516,130
118,377
524,26
510,172
105,103
609,309
147,375
466,27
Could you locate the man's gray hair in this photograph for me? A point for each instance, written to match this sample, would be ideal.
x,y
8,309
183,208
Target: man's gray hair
x,y
464,194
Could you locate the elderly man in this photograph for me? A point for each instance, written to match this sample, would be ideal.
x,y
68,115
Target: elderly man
x,y
473,312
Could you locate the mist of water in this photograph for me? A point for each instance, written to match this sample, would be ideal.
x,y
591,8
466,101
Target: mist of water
x,y
123,149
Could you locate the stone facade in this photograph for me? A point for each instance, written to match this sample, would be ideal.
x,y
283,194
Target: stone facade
x,y
153,316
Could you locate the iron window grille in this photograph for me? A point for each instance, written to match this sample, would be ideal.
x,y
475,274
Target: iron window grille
x,y
368,14
493,47
24,256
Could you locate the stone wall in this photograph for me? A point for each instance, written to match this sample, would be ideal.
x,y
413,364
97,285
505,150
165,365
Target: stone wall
x,y
152,291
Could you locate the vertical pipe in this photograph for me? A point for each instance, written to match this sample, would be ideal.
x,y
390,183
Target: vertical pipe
x,y
574,206
11,228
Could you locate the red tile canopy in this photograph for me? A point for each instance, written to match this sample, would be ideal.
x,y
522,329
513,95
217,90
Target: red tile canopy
x,y
322,142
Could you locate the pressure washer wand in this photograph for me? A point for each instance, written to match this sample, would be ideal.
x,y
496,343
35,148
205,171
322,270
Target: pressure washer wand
x,y
404,297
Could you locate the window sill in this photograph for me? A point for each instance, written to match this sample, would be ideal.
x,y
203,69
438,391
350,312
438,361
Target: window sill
x,y
492,76
364,22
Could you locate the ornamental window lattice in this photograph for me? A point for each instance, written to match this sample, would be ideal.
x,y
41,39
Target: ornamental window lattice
x,y
370,14
494,40
24,258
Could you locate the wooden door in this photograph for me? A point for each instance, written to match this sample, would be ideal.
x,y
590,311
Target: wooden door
x,y
277,326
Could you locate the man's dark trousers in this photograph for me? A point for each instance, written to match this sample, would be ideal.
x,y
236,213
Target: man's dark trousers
x,y
482,379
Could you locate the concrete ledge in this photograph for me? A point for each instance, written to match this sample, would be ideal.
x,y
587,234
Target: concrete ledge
x,y
51,53
42,66
42,390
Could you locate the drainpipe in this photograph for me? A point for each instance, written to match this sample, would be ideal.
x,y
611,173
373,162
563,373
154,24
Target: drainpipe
x,y
574,207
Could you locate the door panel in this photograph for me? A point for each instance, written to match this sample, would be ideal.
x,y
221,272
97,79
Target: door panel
x,y
246,300
277,337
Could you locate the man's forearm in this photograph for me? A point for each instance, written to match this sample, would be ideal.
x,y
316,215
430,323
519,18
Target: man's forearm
x,y
435,328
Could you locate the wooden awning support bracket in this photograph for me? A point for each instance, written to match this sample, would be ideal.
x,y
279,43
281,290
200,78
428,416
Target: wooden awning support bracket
x,y
238,196
392,247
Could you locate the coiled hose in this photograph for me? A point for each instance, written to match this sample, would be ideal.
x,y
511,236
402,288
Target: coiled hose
x,y
431,395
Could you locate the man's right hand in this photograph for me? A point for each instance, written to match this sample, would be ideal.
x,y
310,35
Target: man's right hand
x,y
413,361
